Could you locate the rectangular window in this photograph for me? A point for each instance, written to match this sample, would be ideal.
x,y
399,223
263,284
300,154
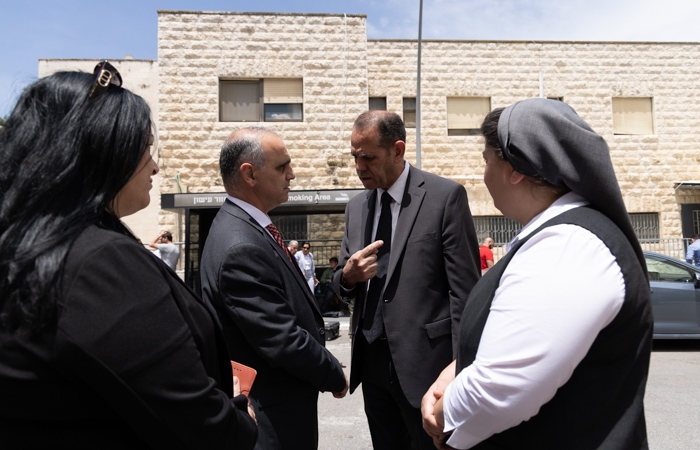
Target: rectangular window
x,y
267,100
465,115
646,226
292,227
501,229
377,103
409,112
632,115
239,101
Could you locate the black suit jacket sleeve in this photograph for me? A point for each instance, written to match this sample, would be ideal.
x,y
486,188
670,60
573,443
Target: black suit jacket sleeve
x,y
120,318
256,299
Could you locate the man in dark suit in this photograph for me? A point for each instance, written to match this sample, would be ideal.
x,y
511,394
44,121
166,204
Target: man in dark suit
x,y
409,259
270,318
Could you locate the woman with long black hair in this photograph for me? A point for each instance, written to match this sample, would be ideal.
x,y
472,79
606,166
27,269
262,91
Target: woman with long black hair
x,y
101,344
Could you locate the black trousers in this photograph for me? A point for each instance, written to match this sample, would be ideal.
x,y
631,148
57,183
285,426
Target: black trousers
x,y
393,423
288,425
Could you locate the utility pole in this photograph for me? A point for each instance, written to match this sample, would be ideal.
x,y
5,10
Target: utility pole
x,y
420,42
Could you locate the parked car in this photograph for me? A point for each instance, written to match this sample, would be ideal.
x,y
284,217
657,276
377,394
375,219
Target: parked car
x,y
675,297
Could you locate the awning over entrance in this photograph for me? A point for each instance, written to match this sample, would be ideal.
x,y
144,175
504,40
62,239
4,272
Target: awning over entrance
x,y
201,209
687,185
299,202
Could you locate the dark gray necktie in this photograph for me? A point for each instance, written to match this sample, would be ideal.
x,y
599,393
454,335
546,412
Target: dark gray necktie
x,y
373,325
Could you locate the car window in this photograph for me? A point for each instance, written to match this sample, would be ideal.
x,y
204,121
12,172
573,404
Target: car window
x,y
664,271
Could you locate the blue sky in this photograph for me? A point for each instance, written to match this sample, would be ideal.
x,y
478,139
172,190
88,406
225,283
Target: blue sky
x,y
33,29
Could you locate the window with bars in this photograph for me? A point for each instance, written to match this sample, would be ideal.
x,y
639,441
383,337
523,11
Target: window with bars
x,y
646,226
502,229
465,115
262,100
292,228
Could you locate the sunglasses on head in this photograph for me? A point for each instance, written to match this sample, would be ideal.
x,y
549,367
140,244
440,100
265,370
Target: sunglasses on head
x,y
105,74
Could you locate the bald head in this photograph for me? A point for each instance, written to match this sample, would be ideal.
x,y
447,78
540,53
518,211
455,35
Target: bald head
x,y
488,242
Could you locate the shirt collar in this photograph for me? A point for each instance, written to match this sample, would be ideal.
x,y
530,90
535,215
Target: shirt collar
x,y
259,216
397,189
564,203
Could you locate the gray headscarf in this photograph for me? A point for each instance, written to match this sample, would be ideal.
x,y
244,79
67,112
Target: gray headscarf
x,y
546,138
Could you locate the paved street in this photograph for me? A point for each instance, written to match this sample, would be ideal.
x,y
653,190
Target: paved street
x,y
673,396
672,400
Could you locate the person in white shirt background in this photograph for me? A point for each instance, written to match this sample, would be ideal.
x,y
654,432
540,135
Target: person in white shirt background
x,y
305,260
165,249
555,340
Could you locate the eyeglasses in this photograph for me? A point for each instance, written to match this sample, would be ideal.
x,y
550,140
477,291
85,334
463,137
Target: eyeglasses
x,y
106,74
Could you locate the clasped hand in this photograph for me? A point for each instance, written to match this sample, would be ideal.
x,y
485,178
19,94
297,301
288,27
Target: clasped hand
x,y
431,408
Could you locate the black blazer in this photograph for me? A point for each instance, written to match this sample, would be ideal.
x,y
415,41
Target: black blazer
x,y
136,361
434,264
271,322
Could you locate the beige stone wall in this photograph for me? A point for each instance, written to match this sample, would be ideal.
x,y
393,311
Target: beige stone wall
x,y
196,50
341,68
587,75
140,77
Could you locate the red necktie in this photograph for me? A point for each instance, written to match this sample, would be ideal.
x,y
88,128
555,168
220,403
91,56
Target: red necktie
x,y
278,238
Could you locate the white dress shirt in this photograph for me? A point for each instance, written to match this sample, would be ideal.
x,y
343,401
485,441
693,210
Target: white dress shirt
x,y
558,292
259,216
396,191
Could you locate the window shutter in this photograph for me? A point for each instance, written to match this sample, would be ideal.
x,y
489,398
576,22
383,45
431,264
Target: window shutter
x,y
409,112
239,101
283,90
632,115
467,112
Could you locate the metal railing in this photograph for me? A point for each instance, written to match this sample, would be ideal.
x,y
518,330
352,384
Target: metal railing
x,y
323,249
673,247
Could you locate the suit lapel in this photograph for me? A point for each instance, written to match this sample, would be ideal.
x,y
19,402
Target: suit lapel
x,y
292,266
410,205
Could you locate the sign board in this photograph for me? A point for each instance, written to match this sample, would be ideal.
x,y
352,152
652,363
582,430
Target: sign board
x,y
327,198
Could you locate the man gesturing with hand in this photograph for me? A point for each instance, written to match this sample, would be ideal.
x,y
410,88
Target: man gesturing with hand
x,y
409,259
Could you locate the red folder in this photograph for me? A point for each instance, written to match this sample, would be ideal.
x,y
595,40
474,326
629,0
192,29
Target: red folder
x,y
246,376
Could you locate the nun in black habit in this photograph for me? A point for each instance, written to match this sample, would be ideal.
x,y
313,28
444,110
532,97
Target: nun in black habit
x,y
555,339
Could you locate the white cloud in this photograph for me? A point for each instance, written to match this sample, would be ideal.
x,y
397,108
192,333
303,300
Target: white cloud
x,y
595,20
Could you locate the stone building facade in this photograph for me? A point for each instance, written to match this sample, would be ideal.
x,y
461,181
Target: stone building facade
x,y
341,69
338,73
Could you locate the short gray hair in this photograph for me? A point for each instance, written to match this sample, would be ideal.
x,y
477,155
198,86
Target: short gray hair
x,y
244,147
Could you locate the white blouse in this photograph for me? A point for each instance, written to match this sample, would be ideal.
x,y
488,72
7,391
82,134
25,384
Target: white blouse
x,y
558,292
